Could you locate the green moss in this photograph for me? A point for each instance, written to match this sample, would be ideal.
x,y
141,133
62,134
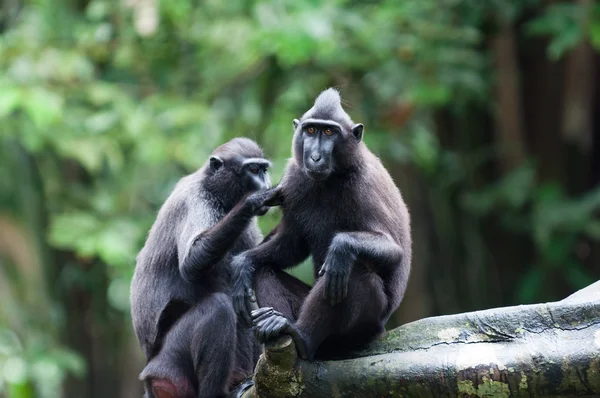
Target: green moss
x,y
466,387
523,382
492,389
570,378
593,373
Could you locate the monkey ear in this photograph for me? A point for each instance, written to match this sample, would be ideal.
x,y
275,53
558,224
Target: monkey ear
x,y
296,123
357,130
215,163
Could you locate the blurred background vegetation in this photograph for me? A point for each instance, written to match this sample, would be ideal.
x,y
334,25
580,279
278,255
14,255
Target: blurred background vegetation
x,y
485,112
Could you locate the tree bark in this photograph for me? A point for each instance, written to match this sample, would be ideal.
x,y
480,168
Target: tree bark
x,y
509,118
541,350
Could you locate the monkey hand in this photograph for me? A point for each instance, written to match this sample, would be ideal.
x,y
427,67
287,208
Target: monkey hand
x,y
242,296
275,198
336,270
270,324
258,203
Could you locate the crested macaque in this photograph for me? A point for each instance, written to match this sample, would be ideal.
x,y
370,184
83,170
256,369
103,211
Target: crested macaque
x,y
180,293
341,206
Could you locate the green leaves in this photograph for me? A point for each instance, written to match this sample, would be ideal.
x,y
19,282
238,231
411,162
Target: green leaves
x,y
9,100
567,24
89,235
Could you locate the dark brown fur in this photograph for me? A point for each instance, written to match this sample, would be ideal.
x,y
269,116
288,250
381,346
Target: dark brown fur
x,y
351,217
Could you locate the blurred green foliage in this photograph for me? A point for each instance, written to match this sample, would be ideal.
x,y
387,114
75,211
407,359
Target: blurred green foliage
x,y
104,105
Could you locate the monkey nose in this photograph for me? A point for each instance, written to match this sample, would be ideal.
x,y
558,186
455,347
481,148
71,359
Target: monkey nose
x,y
315,157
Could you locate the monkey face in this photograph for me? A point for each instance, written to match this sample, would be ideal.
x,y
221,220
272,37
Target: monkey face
x,y
236,169
319,138
255,173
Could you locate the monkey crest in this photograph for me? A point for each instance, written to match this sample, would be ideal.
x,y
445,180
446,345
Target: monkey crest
x,y
322,128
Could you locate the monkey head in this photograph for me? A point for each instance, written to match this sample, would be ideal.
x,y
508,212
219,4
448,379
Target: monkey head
x,y
236,169
325,136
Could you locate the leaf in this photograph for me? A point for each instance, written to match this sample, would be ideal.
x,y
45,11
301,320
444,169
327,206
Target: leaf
x,y
425,149
9,100
88,151
564,23
567,40
101,121
43,106
70,361
118,294
594,32
75,231
9,343
117,242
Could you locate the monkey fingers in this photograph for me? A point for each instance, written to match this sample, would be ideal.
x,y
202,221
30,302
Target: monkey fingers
x,y
267,328
276,199
275,328
270,327
279,326
262,313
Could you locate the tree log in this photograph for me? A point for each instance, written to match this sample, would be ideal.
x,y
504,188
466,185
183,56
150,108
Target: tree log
x,y
541,350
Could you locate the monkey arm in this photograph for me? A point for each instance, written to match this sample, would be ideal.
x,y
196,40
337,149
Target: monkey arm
x,y
372,246
211,245
281,249
343,251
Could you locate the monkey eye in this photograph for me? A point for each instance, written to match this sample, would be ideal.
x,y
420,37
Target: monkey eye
x,y
310,130
254,169
328,131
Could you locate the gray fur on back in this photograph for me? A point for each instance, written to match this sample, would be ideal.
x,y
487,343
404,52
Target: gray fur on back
x,y
188,211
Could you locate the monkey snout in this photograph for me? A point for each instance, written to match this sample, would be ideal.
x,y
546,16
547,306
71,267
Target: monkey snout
x,y
315,157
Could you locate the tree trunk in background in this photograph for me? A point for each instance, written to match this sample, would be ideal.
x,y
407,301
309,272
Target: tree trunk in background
x,y
96,332
93,328
417,302
131,364
542,84
509,118
578,112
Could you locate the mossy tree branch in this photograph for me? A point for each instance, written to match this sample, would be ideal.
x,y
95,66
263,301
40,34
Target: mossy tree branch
x,y
542,350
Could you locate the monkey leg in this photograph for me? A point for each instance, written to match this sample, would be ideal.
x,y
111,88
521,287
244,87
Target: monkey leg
x,y
329,330
281,291
197,358
356,320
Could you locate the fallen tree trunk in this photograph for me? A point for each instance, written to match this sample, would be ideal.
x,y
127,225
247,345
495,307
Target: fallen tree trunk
x,y
542,350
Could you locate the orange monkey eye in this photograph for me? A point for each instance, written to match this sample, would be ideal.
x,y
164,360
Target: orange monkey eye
x,y
310,130
329,131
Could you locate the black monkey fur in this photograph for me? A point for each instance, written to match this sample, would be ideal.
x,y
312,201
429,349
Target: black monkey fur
x,y
180,304
341,206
